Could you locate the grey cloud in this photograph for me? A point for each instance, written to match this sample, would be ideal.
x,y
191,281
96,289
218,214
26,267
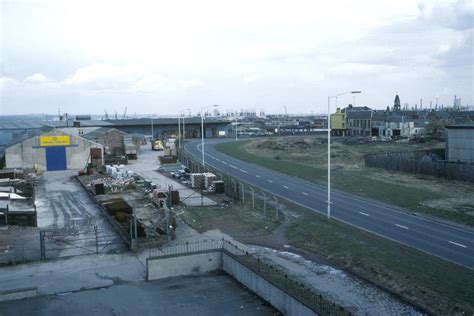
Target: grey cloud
x,y
458,15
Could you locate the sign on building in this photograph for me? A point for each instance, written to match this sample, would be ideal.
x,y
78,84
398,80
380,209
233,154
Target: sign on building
x,y
47,141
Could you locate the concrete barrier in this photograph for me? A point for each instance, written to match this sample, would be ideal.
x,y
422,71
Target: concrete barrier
x,y
18,294
183,264
279,299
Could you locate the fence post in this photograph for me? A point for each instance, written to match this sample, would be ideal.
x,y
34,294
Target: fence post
x,y
234,185
96,239
243,193
276,207
264,204
253,198
42,245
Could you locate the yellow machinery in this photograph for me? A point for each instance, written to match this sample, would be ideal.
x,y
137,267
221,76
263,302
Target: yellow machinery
x,y
156,145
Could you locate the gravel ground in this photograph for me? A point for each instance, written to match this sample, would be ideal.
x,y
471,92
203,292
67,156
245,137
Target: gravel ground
x,y
355,295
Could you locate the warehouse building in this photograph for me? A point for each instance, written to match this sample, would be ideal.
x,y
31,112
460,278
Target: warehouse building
x,y
460,142
54,150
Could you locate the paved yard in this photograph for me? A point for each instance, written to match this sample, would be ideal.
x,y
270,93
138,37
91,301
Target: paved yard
x,y
209,294
146,166
71,217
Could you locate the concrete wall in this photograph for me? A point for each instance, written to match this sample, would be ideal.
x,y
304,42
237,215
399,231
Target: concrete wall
x,y
27,154
276,297
460,144
186,264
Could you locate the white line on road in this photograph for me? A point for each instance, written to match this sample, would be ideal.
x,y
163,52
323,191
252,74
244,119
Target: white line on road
x,y
270,181
257,176
304,193
286,187
365,214
218,159
225,163
232,166
455,243
401,226
243,170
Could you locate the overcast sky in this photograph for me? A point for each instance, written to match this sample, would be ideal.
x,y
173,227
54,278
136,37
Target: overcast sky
x,y
164,56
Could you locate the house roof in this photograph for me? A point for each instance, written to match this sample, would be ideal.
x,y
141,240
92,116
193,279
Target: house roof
x,y
359,114
98,133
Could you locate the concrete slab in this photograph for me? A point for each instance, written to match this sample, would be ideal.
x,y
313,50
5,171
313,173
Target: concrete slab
x,y
73,274
210,294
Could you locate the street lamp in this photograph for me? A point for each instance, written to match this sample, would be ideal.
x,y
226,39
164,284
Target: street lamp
x,y
152,136
179,127
235,127
202,130
184,126
329,146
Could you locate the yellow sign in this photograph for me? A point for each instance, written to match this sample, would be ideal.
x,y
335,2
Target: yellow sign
x,y
54,141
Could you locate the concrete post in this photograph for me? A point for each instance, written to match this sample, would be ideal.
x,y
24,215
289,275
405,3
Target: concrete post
x,y
264,204
243,193
253,198
276,207
234,186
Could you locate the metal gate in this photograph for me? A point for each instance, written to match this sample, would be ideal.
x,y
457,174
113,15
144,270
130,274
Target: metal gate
x,y
56,158
59,244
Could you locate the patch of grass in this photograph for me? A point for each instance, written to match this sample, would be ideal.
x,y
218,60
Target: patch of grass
x,y
360,182
233,219
437,285
428,281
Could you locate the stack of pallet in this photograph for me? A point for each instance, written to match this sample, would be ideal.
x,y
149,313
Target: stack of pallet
x,y
197,181
209,179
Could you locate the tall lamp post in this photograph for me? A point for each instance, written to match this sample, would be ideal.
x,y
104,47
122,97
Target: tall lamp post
x,y
179,127
202,131
152,136
329,146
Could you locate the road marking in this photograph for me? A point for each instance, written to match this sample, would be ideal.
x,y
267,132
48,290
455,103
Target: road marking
x,y
270,181
455,243
257,176
401,226
365,214
243,170
225,163
232,166
304,193
218,159
286,187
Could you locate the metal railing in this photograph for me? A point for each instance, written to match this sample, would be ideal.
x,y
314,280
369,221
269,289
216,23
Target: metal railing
x,y
185,248
252,261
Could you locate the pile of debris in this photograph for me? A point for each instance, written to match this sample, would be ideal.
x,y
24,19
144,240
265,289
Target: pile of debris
x,y
119,172
118,180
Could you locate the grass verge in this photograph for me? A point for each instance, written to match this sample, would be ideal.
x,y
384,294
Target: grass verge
x,y
357,182
232,219
438,286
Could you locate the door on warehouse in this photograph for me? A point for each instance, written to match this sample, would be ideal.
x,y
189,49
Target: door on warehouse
x,y
56,158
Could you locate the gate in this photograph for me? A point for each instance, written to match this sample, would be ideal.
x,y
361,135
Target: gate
x,y
60,244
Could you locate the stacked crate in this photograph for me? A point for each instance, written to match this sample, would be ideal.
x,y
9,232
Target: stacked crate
x,y
197,181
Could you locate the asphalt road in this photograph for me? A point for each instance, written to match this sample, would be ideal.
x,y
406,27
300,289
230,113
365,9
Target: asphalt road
x,y
443,240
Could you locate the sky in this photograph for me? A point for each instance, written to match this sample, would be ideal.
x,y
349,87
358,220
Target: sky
x,y
162,57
